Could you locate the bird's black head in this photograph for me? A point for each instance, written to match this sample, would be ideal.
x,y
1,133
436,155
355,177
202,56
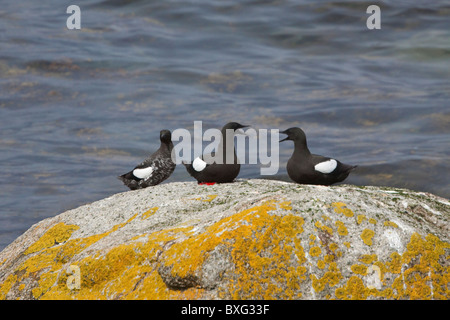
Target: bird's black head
x,y
295,134
165,136
233,126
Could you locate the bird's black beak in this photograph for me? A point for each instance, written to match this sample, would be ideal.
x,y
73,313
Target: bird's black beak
x,y
287,138
240,131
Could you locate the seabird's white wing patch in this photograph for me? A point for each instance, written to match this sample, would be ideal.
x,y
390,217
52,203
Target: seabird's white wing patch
x,y
143,173
198,164
326,166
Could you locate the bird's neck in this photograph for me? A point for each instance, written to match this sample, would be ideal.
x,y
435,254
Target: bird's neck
x,y
301,148
226,147
166,147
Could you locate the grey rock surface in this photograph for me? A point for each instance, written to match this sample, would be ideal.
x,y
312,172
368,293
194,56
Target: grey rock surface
x,y
252,239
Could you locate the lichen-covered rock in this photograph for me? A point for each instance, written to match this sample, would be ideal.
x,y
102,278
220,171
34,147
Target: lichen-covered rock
x,y
253,239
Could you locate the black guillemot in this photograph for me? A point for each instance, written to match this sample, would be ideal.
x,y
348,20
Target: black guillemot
x,y
154,170
206,169
306,168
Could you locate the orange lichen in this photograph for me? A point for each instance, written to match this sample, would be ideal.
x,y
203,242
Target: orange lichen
x,y
390,224
321,264
149,213
353,290
264,246
333,247
425,277
419,274
342,229
368,258
323,227
330,278
359,269
329,258
7,285
210,198
286,205
395,264
360,218
53,254
341,208
55,235
252,235
315,251
367,236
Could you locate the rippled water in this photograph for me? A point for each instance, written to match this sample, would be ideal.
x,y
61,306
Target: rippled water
x,y
79,107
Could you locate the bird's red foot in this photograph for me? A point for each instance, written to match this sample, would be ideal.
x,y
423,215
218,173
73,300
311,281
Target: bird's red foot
x,y
206,183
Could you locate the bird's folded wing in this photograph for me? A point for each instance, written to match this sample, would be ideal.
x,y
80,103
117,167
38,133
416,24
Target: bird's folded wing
x,y
143,173
198,164
326,166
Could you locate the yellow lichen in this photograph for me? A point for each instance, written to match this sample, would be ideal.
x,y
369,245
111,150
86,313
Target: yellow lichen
x,y
315,251
390,224
425,277
368,258
210,198
395,264
7,285
340,207
359,269
55,235
120,225
367,236
323,227
372,221
330,278
149,213
353,290
321,264
329,258
360,218
342,229
129,271
264,247
286,205
249,252
333,247
51,257
418,273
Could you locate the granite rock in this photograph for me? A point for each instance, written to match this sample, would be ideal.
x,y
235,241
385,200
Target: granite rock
x,y
252,239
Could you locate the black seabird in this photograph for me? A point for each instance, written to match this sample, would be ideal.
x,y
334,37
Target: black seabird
x,y
306,168
157,168
206,170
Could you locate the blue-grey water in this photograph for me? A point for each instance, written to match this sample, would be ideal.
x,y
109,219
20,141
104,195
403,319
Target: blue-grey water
x,y
79,107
